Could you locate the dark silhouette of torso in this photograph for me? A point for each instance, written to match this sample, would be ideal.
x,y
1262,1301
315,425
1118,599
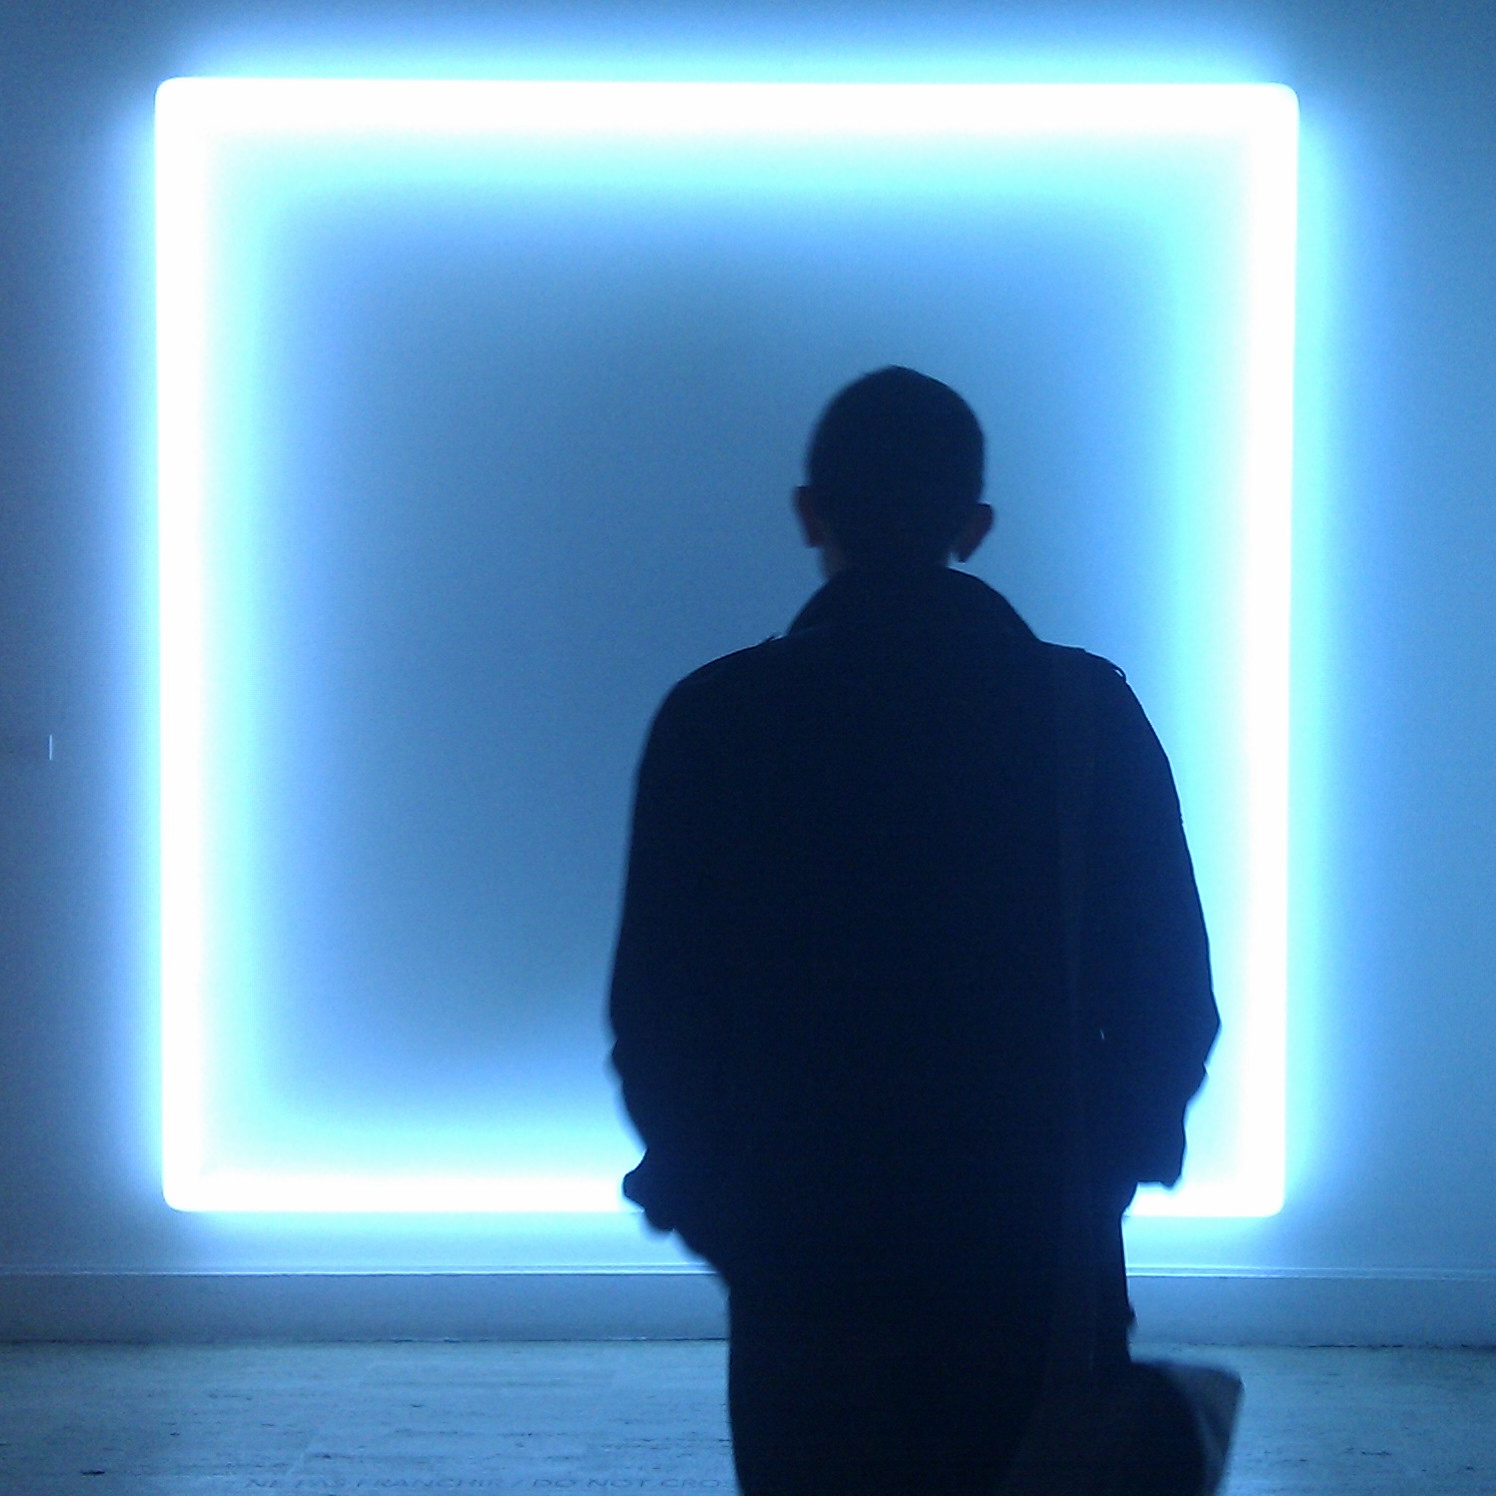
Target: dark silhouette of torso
x,y
837,996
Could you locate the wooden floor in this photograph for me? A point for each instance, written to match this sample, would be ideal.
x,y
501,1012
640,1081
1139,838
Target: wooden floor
x,y
627,1417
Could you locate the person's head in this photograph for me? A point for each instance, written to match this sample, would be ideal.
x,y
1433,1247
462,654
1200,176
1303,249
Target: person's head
x,y
893,475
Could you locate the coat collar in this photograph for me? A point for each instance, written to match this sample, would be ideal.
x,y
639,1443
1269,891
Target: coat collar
x,y
909,597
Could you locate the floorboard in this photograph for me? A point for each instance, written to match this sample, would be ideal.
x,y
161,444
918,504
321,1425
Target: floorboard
x,y
626,1417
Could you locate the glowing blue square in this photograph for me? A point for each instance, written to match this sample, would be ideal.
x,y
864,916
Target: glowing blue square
x,y
991,142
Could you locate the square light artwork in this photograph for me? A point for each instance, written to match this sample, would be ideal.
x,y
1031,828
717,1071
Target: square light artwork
x,y
238,158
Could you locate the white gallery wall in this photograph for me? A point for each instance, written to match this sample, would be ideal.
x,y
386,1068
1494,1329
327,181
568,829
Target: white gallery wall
x,y
440,712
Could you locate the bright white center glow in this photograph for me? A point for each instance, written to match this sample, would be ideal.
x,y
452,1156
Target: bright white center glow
x,y
705,134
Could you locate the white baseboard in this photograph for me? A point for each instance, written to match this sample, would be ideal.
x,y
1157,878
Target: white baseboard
x,y
1203,1308
527,1305
1285,1308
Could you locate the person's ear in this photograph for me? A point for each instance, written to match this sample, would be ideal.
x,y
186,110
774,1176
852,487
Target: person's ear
x,y
973,532
812,526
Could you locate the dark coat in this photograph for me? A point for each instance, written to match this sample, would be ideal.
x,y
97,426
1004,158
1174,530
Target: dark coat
x,y
837,997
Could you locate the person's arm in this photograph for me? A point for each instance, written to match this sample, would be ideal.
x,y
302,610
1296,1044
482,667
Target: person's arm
x,y
659,999
1146,956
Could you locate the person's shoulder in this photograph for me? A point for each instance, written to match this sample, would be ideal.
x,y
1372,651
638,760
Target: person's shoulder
x,y
1121,721
730,671
727,683
1103,672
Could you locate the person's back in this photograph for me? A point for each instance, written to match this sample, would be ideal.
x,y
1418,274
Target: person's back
x,y
877,882
838,997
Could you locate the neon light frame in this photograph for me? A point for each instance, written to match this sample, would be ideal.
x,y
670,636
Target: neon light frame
x,y
195,116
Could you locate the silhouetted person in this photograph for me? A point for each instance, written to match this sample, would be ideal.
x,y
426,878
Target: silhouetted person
x,y
838,999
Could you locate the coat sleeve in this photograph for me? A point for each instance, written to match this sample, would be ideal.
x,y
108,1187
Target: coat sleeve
x,y
1146,956
665,1041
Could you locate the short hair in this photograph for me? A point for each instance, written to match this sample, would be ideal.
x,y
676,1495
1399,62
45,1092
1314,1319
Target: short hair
x,y
895,465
